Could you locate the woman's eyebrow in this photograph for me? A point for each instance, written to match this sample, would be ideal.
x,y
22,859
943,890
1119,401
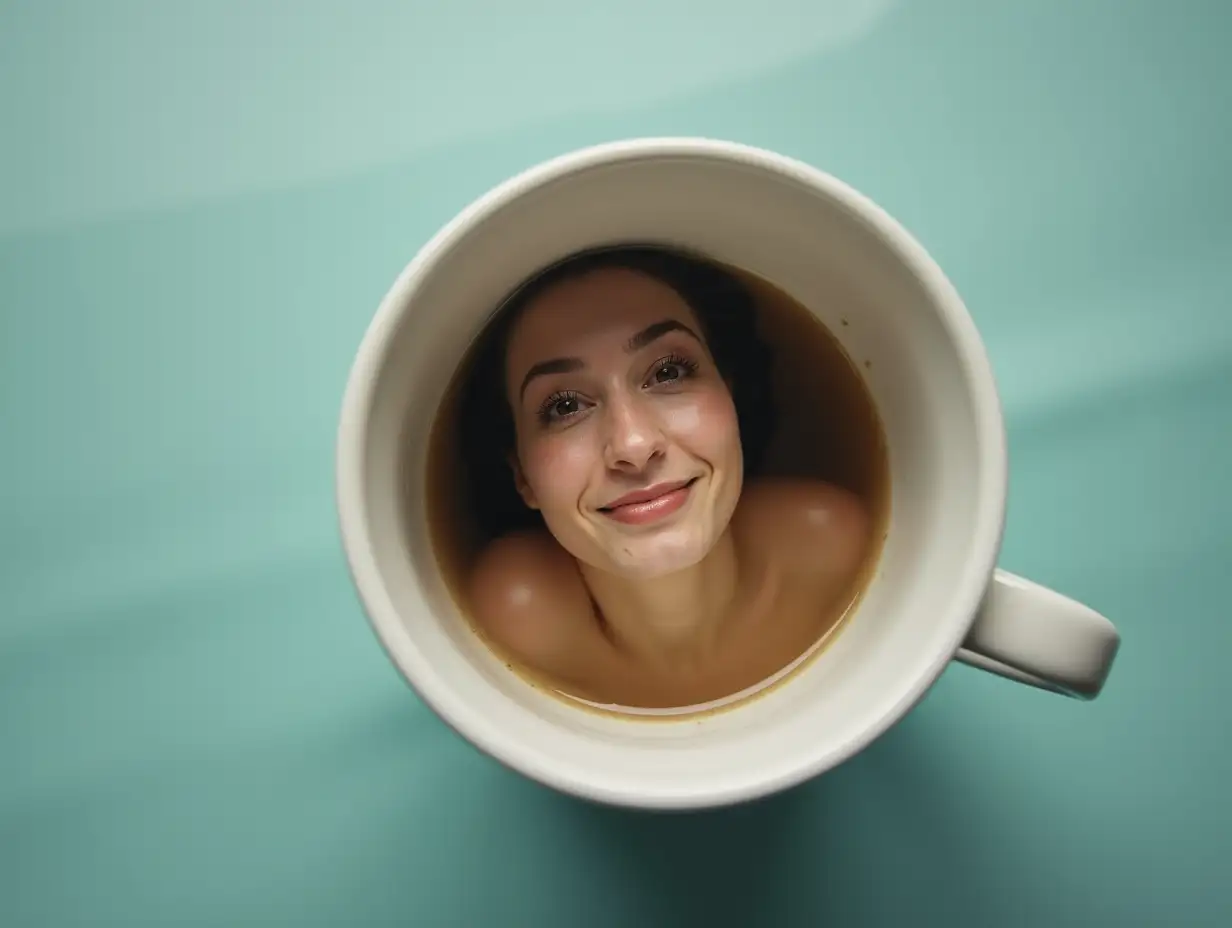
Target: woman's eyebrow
x,y
657,330
646,336
553,366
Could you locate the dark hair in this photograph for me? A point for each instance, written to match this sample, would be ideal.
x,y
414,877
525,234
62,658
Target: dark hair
x,y
728,316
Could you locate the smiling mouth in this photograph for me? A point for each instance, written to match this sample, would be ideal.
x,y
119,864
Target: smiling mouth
x,y
649,505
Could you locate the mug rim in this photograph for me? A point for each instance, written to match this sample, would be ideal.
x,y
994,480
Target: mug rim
x,y
359,394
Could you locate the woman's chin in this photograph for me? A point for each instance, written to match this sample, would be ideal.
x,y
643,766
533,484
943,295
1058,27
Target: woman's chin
x,y
656,556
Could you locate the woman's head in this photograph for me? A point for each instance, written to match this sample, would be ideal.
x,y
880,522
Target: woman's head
x,y
615,372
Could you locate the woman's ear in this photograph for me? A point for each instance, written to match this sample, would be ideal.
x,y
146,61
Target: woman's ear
x,y
519,481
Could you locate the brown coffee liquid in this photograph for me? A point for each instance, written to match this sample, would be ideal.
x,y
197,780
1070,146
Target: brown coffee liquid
x,y
827,428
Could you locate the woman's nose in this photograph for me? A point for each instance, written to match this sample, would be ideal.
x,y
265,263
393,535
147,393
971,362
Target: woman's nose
x,y
634,438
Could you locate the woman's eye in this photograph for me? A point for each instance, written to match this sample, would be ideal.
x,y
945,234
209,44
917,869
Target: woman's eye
x,y
565,407
559,407
671,370
668,372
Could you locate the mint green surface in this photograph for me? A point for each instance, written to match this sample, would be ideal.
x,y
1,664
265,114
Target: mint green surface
x,y
201,205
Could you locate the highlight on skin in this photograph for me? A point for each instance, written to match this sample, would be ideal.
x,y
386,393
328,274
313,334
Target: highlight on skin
x,y
637,557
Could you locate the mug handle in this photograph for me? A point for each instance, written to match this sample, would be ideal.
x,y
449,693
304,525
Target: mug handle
x,y
1034,635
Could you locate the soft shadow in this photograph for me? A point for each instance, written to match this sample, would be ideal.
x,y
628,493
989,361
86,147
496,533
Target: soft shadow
x,y
716,867
826,852
894,834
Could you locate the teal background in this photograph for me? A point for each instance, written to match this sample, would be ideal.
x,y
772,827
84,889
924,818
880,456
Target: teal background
x,y
201,205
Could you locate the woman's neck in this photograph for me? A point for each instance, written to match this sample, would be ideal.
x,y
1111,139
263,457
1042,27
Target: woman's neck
x,y
673,620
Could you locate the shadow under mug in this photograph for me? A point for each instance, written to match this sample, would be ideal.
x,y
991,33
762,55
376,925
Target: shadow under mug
x,y
936,594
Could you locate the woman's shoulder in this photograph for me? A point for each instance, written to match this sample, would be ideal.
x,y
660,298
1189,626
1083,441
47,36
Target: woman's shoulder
x,y
527,594
811,525
519,554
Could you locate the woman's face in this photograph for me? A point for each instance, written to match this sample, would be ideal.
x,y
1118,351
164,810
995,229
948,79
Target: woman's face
x,y
627,437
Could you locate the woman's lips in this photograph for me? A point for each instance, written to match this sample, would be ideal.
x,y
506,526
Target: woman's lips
x,y
644,506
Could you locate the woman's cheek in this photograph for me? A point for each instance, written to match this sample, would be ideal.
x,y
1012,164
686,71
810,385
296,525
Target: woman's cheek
x,y
556,470
684,418
705,419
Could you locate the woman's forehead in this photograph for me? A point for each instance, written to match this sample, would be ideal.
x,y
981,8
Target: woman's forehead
x,y
587,311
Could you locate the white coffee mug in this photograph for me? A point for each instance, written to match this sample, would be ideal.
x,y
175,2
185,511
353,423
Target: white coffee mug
x,y
936,594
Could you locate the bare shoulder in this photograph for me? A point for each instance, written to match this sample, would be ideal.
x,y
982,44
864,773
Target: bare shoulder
x,y
813,526
527,594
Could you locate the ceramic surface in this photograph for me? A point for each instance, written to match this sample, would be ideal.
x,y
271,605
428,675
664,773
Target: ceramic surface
x,y
932,595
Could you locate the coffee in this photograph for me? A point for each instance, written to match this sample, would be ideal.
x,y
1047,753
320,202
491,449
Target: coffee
x,y
827,428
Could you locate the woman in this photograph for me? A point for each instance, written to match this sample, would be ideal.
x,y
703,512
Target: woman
x,y
631,396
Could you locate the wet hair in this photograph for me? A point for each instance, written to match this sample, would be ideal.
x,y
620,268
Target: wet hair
x,y
728,316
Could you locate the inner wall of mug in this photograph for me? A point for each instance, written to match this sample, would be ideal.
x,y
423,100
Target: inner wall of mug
x,y
820,250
